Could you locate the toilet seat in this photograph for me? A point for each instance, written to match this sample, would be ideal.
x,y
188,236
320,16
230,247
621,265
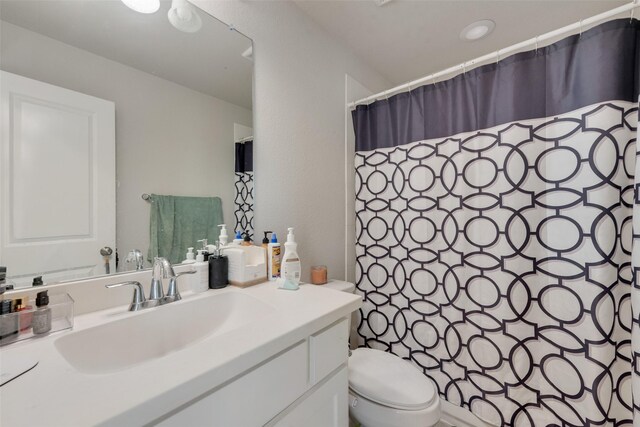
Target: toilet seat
x,y
388,380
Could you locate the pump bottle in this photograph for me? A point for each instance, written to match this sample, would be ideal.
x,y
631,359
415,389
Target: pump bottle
x,y
274,255
238,240
200,281
224,237
291,267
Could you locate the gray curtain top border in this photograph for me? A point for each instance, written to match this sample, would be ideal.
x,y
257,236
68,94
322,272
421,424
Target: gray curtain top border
x,y
601,64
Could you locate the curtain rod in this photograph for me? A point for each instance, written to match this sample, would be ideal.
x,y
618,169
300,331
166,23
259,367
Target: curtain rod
x,y
501,53
248,138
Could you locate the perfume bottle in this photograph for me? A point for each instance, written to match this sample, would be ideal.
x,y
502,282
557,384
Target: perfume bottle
x,y
41,321
22,304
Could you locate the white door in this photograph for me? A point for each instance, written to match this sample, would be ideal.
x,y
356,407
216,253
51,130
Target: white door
x,y
57,176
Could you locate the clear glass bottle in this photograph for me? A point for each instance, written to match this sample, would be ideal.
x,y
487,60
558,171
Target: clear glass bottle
x,y
41,322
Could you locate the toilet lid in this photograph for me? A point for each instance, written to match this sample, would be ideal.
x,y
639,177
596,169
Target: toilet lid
x,y
387,379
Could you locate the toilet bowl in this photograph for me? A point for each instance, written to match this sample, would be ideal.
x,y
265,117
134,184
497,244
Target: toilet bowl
x,y
386,390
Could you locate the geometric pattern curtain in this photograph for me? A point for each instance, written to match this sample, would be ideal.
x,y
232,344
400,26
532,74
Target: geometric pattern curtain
x,y
243,200
498,259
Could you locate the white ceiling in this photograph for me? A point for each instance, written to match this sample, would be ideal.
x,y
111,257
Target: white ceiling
x,y
209,61
405,40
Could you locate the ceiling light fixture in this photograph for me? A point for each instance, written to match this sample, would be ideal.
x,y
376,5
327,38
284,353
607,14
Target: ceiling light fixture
x,y
477,30
143,6
184,17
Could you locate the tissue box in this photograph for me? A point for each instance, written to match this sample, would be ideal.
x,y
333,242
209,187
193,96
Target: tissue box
x,y
247,265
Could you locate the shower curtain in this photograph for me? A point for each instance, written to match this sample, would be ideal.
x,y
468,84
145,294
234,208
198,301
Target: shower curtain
x,y
494,224
243,200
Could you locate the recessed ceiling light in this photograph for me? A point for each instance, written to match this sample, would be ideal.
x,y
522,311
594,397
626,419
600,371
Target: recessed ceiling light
x,y
143,6
477,30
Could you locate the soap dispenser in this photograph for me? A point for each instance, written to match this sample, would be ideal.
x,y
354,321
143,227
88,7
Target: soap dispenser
x,y
218,269
247,240
205,251
291,267
224,237
190,257
200,281
265,241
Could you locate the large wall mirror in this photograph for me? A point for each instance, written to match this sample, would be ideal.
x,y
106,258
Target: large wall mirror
x,y
125,135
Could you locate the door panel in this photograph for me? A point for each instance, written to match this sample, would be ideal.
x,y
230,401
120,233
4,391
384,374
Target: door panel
x,y
55,217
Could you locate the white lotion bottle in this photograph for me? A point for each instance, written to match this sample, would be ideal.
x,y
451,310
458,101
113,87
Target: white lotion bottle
x,y
291,267
200,282
223,238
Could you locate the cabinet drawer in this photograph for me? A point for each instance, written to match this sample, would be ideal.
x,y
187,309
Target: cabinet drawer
x,y
328,349
254,398
326,407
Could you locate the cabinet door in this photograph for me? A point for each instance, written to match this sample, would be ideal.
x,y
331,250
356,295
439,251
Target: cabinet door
x,y
54,217
254,398
326,406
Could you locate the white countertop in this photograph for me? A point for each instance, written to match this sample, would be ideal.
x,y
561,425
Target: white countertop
x,y
56,394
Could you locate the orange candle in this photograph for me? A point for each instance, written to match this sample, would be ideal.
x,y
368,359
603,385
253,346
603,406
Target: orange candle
x,y
319,274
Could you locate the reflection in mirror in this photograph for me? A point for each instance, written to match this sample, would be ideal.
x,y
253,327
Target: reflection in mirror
x,y
105,105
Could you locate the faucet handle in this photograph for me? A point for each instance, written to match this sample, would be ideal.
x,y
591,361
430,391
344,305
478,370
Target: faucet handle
x,y
138,294
172,291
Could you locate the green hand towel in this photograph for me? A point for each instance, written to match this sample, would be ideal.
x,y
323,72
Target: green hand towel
x,y
177,223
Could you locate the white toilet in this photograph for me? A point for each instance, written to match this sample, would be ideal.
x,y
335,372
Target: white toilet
x,y
386,390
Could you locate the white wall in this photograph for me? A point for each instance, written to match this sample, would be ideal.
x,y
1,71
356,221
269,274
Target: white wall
x,y
169,139
299,124
354,91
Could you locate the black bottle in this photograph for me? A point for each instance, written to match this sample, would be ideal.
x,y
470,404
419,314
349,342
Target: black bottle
x,y
218,271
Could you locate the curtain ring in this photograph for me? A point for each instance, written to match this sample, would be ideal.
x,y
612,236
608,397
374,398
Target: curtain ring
x,y
536,45
497,56
632,10
464,68
580,28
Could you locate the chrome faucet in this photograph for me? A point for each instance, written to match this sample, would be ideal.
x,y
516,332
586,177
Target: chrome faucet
x,y
163,266
161,269
135,257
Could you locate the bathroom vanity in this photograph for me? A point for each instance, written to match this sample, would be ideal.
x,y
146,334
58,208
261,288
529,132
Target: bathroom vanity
x,y
230,357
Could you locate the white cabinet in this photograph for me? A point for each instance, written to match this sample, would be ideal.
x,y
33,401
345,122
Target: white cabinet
x,y
325,407
305,384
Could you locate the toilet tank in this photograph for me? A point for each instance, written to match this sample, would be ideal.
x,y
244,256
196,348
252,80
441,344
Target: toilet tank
x,y
339,285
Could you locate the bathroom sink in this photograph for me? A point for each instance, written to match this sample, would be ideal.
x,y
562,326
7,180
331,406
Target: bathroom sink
x,y
156,332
